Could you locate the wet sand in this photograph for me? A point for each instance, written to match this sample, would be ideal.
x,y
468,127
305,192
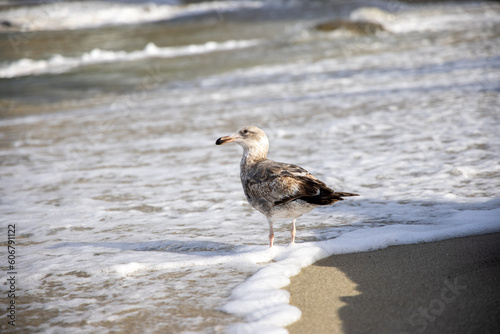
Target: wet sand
x,y
450,286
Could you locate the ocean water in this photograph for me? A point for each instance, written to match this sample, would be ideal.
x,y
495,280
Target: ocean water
x,y
129,219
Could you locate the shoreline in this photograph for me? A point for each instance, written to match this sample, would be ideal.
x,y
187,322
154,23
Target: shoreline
x,y
448,286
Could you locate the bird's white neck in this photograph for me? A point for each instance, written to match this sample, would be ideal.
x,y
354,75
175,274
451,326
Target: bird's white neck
x,y
254,154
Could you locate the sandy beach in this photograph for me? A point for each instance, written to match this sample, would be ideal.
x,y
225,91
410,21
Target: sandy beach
x,y
449,286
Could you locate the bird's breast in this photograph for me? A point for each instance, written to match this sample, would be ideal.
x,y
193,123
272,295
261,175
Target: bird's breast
x,y
293,209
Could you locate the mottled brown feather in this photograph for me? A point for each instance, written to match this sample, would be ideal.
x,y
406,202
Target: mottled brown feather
x,y
279,183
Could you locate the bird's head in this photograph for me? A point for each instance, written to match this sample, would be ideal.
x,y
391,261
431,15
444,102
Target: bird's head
x,y
251,138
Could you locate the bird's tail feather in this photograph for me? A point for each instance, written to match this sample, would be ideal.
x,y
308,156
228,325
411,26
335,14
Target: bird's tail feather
x,y
327,197
343,194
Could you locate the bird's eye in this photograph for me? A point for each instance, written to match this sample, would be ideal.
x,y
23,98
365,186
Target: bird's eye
x,y
245,132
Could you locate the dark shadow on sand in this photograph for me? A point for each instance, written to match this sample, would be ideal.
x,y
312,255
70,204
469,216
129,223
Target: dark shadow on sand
x,y
449,286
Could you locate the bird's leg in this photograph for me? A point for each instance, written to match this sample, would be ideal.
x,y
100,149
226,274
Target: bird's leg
x,y
293,231
271,233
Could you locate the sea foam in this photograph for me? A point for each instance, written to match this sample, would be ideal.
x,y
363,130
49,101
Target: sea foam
x,y
60,64
266,308
62,15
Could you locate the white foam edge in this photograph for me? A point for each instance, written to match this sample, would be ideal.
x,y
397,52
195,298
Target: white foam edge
x,y
265,308
60,64
250,254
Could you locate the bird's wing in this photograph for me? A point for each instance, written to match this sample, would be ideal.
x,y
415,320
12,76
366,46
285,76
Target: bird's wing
x,y
279,183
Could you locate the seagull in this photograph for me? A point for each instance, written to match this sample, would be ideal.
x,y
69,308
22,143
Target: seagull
x,y
276,189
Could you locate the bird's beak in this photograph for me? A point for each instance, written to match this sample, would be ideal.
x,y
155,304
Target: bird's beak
x,y
227,139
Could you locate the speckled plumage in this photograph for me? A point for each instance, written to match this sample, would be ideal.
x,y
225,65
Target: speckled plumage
x,y
276,189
